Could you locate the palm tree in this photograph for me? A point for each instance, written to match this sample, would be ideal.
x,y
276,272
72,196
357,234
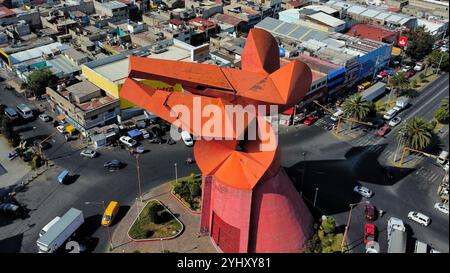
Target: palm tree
x,y
356,107
399,82
415,134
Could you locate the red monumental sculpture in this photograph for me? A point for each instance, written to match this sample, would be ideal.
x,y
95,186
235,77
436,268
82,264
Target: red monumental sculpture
x,y
249,203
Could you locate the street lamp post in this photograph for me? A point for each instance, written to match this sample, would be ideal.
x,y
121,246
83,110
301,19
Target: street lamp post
x,y
107,227
176,173
348,222
315,197
138,177
303,173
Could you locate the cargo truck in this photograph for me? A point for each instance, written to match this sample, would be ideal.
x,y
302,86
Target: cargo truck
x,y
396,236
374,92
401,103
59,232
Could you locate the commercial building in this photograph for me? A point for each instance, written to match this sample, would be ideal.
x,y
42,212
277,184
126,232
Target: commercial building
x,y
360,58
374,33
114,10
427,8
312,18
83,105
354,13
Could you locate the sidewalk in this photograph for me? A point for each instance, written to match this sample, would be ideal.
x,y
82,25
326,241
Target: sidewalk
x,y
11,171
187,242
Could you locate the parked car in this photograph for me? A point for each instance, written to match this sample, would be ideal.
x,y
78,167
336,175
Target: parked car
x,y
187,138
156,140
89,153
11,113
419,218
370,212
157,131
13,154
361,190
310,120
369,232
418,66
112,164
128,141
395,121
145,133
441,207
384,130
61,129
44,117
390,114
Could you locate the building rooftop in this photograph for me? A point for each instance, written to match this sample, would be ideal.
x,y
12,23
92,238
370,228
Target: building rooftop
x,y
82,88
326,19
62,65
36,52
369,32
113,5
226,18
5,12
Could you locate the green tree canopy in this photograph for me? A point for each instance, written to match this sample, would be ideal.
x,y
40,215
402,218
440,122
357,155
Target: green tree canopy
x,y
420,43
328,224
438,56
38,80
399,82
356,107
416,133
442,114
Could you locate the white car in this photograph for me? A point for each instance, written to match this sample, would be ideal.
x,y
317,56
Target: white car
x,y
187,138
418,67
419,218
441,207
88,153
145,133
390,114
395,121
128,141
61,129
363,191
44,117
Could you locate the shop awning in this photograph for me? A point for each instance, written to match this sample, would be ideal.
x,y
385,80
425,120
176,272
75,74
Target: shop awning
x,y
70,129
396,51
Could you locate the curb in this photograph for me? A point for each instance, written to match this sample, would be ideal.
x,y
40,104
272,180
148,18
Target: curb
x,y
155,239
184,205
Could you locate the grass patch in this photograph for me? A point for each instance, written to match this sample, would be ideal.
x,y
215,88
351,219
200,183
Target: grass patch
x,y
426,81
189,190
154,222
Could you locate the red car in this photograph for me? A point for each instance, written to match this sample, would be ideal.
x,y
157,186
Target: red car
x,y
384,130
370,213
310,120
370,231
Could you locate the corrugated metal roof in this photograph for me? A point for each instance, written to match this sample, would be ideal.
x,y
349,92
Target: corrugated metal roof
x,y
36,52
269,23
382,16
285,28
63,64
356,9
370,13
327,19
298,32
394,18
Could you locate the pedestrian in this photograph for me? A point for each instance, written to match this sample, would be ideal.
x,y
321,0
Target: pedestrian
x,y
381,212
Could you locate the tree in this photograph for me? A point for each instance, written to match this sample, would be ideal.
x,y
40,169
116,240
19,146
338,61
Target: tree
x,y
356,107
328,225
416,134
436,57
441,113
38,80
399,82
420,43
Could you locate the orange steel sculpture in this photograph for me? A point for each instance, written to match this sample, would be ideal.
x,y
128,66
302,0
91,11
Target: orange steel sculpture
x,y
248,202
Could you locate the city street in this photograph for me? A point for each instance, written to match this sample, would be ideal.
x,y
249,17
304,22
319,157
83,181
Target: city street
x,y
330,168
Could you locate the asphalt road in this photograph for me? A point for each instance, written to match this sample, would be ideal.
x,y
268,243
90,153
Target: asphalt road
x,y
332,166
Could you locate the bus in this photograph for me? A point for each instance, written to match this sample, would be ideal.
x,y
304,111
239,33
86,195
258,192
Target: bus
x,y
24,111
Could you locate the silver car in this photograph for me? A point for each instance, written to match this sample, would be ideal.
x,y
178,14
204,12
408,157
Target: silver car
x,y
89,153
363,191
441,207
44,117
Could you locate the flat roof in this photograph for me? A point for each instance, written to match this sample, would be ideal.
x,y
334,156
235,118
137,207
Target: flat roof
x,y
36,52
327,19
63,64
82,88
115,68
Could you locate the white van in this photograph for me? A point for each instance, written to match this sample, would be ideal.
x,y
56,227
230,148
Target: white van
x,y
442,158
24,111
187,138
335,116
420,247
390,114
48,226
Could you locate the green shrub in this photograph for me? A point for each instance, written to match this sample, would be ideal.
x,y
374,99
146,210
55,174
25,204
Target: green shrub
x,y
35,162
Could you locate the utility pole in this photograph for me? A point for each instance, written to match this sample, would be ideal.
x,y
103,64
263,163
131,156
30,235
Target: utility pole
x,y
176,173
439,65
348,223
315,197
303,174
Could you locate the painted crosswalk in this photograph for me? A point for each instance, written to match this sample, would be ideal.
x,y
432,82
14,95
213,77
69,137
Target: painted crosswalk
x,y
429,173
